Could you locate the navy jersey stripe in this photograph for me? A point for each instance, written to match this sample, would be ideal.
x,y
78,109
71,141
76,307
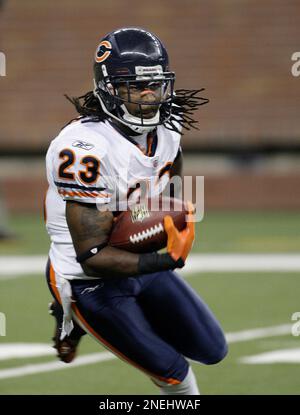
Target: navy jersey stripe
x,y
78,186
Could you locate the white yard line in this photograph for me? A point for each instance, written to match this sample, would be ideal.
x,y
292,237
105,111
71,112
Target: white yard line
x,y
242,263
12,267
88,359
21,350
275,356
32,369
259,333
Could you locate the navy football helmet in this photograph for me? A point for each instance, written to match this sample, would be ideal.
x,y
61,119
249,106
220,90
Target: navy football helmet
x,y
134,58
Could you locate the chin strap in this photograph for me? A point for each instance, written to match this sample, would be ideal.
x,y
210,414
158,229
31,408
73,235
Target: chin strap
x,y
149,124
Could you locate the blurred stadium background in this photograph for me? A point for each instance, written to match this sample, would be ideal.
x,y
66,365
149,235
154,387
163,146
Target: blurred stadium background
x,y
248,149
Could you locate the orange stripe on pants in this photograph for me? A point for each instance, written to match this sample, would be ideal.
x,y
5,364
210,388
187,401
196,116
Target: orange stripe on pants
x,y
53,284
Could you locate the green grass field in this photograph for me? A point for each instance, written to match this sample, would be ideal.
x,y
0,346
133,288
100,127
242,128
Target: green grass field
x,y
241,301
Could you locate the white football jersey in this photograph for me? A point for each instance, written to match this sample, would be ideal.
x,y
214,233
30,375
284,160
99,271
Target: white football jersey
x,y
91,162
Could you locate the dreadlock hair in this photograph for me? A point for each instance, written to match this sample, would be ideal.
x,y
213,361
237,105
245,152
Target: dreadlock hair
x,y
185,103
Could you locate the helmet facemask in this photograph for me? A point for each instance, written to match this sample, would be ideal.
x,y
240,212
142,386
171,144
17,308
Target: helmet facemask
x,y
118,97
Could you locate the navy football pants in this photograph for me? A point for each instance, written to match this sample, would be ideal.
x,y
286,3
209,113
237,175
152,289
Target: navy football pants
x,y
152,321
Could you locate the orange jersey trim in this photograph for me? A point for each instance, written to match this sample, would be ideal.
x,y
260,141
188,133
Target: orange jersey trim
x,y
78,193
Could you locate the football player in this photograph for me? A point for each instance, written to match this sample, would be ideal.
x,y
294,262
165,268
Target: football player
x,y
128,132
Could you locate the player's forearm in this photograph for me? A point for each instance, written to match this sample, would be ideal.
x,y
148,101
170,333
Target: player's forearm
x,y
113,262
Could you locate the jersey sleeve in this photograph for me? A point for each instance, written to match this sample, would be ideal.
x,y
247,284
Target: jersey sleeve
x,y
81,172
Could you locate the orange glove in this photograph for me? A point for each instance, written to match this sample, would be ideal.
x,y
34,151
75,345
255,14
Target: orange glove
x,y
180,243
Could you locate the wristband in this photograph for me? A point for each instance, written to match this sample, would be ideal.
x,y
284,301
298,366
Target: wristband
x,y
149,263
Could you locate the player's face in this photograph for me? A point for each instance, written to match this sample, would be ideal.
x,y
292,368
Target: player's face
x,y
143,97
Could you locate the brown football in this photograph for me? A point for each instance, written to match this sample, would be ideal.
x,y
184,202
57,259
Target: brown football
x,y
140,229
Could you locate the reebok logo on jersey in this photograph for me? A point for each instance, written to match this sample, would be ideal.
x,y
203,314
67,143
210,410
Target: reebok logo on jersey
x,y
91,289
83,145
